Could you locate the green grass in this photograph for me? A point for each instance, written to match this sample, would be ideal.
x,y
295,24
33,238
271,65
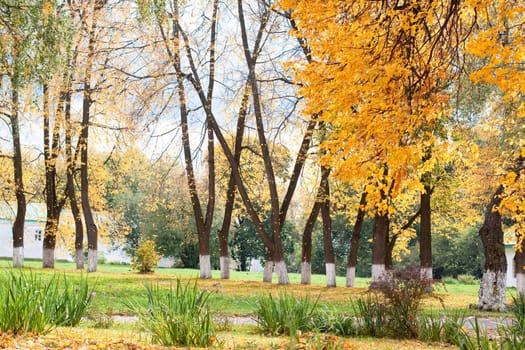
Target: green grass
x,y
115,284
238,295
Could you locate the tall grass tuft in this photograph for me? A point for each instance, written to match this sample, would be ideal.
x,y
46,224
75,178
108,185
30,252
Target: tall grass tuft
x,y
286,314
71,301
31,304
179,316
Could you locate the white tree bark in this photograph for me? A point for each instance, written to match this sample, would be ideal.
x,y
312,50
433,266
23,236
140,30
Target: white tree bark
x,y
79,258
282,272
205,266
268,271
520,282
48,258
378,273
92,260
492,291
18,257
330,274
306,273
426,274
225,267
350,276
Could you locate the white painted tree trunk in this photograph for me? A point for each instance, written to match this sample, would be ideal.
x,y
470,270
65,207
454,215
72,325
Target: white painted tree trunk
x,y
48,258
350,276
268,271
330,274
492,291
306,273
92,260
378,273
282,272
79,258
225,267
520,282
18,257
205,266
425,274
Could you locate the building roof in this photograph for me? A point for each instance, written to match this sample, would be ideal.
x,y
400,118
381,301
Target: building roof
x,y
35,212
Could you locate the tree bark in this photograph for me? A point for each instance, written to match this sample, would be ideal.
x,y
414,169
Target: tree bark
x,y
425,237
379,248
493,283
519,267
91,227
224,231
354,242
54,204
306,252
70,186
18,225
327,229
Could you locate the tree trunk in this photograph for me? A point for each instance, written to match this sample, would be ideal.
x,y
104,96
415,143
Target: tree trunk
x,y
379,248
519,267
91,228
268,268
493,283
306,251
54,205
327,230
18,225
70,186
425,238
354,242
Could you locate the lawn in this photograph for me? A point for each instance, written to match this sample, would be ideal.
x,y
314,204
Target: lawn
x,y
116,284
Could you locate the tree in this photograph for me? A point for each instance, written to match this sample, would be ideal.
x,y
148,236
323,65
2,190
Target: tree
x,y
30,32
399,65
500,44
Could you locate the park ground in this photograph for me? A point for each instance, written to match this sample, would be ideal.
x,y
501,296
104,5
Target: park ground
x,y
109,324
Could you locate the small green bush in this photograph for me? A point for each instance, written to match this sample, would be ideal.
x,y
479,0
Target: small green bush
x,y
449,280
286,314
146,257
467,279
177,317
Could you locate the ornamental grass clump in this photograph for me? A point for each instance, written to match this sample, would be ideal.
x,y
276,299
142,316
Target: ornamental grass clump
x,y
32,304
179,316
286,314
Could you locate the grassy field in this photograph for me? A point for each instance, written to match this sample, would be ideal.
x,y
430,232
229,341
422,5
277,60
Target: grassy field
x,y
116,284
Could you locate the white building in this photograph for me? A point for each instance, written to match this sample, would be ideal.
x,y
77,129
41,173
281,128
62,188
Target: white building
x,y
509,238
34,235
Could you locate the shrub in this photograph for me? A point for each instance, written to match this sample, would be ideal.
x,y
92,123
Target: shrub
x,y
179,317
403,294
30,304
467,279
146,257
449,280
286,314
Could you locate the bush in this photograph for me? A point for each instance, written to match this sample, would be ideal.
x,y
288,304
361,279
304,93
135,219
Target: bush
x,y
30,304
146,257
449,280
467,279
286,314
403,294
178,317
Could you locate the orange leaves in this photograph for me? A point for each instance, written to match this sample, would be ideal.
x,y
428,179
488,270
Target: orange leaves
x,y
378,76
